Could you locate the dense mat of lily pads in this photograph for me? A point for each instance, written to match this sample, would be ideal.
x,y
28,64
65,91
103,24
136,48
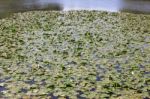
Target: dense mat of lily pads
x,y
75,54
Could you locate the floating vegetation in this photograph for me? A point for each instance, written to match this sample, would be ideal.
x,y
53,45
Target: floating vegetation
x,y
75,54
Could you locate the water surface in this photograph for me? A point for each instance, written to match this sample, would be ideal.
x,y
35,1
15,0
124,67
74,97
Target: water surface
x,y
134,6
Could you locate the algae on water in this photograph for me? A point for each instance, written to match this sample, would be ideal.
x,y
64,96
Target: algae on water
x,y
75,54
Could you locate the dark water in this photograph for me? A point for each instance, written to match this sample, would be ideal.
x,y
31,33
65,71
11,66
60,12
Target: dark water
x,y
134,6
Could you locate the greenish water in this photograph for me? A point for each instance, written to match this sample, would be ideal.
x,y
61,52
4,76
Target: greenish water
x,y
75,54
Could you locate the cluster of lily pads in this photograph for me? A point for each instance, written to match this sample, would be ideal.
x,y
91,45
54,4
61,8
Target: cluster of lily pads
x,y
75,54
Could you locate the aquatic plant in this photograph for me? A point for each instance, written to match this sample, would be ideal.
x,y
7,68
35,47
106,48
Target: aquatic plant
x,y
75,54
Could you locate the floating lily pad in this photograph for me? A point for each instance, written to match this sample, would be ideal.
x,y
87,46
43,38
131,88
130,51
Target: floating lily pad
x,y
75,54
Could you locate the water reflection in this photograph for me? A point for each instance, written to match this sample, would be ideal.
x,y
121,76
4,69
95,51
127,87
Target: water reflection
x,y
134,6
109,5
27,5
12,6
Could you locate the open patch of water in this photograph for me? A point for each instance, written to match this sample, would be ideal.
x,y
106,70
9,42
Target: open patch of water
x,y
133,6
2,88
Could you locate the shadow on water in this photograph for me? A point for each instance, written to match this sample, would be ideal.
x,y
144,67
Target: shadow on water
x,y
133,6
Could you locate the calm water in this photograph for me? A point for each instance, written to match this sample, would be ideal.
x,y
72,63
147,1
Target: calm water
x,y
134,6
